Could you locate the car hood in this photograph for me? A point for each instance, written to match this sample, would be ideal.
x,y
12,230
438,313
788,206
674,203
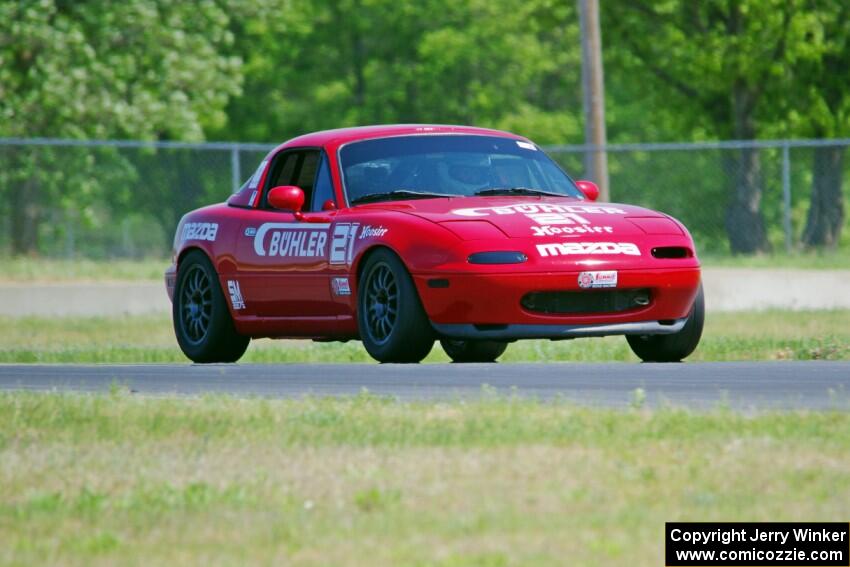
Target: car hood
x,y
474,218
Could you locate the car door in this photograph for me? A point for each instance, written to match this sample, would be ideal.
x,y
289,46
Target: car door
x,y
282,259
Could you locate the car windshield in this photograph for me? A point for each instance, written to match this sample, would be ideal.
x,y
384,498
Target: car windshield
x,y
431,166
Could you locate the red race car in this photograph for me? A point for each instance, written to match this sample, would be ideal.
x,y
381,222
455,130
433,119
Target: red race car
x,y
402,235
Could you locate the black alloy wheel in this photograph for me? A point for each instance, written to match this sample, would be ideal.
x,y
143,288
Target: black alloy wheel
x,y
393,325
202,322
381,303
196,304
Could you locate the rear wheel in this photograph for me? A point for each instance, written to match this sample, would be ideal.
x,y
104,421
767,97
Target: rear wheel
x,y
473,351
393,325
202,323
676,346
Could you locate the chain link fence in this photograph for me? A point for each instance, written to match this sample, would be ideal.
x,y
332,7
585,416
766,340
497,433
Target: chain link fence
x,y
735,197
122,199
110,199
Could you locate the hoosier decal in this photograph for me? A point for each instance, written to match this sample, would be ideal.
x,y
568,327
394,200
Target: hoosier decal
x,y
588,248
370,231
556,230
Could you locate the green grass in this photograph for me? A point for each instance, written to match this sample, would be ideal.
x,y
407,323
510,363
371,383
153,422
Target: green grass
x,y
771,335
837,260
122,480
23,269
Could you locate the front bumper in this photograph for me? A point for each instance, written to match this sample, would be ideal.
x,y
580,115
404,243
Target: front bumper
x,y
512,332
494,300
170,281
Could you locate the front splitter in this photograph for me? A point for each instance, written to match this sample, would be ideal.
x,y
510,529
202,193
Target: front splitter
x,y
511,332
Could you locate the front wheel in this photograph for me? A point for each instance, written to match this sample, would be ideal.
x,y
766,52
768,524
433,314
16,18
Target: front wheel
x,y
202,323
676,346
473,351
393,325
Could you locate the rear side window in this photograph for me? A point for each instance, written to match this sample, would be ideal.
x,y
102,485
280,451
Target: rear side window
x,y
283,170
295,167
307,174
323,190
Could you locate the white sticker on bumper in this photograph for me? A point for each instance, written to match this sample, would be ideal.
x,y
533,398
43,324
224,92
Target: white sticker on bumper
x,y
598,279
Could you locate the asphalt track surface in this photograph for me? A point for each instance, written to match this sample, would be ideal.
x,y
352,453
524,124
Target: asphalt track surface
x,y
746,385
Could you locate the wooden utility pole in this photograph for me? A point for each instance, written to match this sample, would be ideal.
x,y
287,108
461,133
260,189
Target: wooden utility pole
x,y
593,88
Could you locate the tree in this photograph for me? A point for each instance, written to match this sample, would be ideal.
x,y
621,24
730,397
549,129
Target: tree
x,y
329,63
720,62
821,109
149,69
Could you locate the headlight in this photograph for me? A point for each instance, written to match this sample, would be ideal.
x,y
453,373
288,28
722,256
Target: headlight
x,y
656,225
473,229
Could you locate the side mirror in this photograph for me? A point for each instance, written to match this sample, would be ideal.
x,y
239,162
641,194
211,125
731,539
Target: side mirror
x,y
287,198
589,188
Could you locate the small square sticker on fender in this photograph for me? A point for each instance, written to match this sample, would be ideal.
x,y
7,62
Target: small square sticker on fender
x,y
341,286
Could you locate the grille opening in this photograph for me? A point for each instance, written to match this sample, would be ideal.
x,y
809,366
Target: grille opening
x,y
491,327
667,252
586,302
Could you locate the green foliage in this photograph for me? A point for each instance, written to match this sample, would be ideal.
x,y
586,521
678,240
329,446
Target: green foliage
x,y
141,69
693,57
490,63
267,70
145,69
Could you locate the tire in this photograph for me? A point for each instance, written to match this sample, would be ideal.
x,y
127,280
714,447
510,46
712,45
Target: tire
x,y
676,346
202,323
473,351
393,325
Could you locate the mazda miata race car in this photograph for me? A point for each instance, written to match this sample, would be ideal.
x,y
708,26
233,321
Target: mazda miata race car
x,y
403,235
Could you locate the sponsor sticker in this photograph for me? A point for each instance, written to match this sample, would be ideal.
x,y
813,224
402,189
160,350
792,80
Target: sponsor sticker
x,y
597,279
291,240
341,286
251,231
372,231
199,231
235,295
549,230
536,210
587,248
342,243
550,216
